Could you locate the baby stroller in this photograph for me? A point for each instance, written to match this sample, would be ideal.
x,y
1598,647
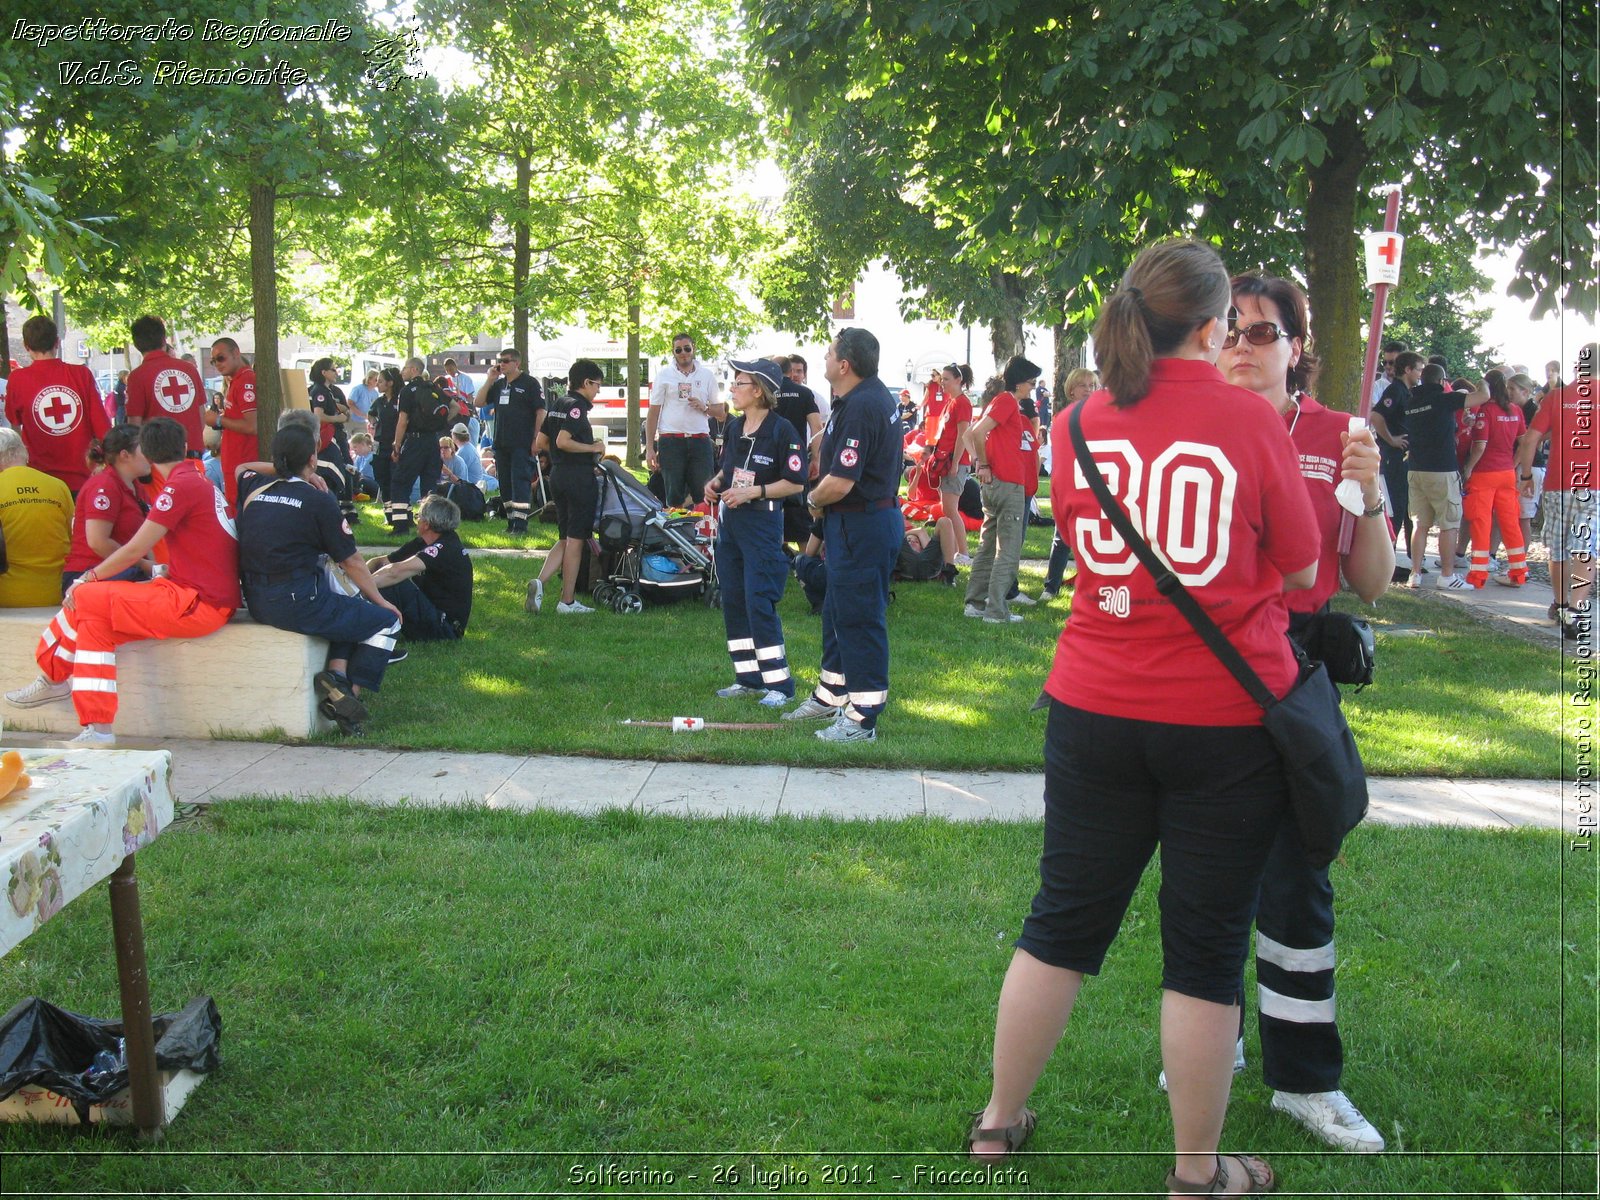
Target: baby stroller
x,y
646,554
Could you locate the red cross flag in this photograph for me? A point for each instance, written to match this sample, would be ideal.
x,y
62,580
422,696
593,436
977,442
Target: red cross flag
x,y
1383,257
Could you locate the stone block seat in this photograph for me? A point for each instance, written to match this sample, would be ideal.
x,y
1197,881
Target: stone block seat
x,y
246,679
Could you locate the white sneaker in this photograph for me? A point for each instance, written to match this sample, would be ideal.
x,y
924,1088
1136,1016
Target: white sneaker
x,y
40,691
774,700
93,737
1238,1064
962,560
972,610
1332,1117
813,710
1022,599
738,691
577,606
535,600
1008,619
1453,583
844,729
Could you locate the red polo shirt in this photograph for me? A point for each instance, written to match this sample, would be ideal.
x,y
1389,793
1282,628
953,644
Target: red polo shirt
x,y
56,408
164,386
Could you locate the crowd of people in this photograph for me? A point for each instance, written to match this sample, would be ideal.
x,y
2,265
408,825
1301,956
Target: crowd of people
x,y
1257,499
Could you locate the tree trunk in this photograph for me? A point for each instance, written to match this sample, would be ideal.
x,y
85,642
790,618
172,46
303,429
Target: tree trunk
x,y
264,293
411,334
1333,276
522,257
1006,336
633,460
5,340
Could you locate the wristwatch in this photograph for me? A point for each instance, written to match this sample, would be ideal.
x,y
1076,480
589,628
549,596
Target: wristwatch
x,y
1376,511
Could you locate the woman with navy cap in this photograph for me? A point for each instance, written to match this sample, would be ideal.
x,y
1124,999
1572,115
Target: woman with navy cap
x,y
763,460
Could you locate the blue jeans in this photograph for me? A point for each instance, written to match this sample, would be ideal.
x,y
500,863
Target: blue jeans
x,y
1060,556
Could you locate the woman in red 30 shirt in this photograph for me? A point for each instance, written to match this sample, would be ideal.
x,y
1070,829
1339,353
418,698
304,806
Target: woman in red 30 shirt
x,y
1150,741
1302,1057
1492,469
946,417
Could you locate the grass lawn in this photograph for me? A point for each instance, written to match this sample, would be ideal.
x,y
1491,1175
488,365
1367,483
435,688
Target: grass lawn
x,y
777,994
1465,700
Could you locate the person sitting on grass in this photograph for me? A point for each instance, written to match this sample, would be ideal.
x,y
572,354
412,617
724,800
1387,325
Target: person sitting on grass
x,y
429,579
35,528
287,523
198,595
362,479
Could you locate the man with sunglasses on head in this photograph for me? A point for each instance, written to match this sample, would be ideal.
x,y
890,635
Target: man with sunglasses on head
x,y
683,400
1402,369
517,401
237,416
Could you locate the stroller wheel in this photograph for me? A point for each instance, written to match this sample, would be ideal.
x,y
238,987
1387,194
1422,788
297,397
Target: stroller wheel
x,y
714,596
629,603
602,593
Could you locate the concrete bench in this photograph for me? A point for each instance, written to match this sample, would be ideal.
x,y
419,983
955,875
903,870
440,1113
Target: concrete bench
x,y
246,679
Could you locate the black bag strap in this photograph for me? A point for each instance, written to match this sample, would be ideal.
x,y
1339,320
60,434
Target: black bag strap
x,y
1167,583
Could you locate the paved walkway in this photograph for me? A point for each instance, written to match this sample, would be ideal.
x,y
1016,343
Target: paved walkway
x,y
206,771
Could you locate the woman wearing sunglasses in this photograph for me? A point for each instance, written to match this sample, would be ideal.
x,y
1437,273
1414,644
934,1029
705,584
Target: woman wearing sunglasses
x,y
1302,1057
1150,740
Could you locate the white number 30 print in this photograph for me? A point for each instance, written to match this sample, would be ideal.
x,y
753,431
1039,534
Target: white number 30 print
x,y
1115,602
1182,504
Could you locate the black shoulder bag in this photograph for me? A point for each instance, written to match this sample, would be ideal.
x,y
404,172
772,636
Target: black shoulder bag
x,y
1327,783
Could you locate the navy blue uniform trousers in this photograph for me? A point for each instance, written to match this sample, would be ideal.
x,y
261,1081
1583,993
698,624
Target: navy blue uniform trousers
x,y
861,548
752,572
357,629
419,461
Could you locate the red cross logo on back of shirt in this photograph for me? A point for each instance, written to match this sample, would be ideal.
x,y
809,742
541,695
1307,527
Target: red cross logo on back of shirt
x,y
57,409
174,391
1389,251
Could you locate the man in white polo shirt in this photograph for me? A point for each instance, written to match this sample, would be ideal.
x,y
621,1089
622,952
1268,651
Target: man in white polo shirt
x,y
677,441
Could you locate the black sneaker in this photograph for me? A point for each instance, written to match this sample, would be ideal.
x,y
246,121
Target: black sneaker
x,y
398,654
346,726
335,692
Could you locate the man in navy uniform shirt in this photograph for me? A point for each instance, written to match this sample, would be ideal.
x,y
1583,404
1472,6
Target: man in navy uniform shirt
x,y
856,504
518,404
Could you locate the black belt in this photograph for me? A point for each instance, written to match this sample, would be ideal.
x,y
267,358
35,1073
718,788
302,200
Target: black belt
x,y
273,578
848,506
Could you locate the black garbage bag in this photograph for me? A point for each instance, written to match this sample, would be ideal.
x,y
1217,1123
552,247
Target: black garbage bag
x,y
50,1047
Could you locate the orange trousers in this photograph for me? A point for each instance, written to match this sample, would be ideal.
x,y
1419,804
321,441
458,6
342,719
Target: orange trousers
x,y
1491,495
80,643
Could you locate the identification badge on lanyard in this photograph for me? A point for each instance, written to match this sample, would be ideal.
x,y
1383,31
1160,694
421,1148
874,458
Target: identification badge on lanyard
x,y
743,478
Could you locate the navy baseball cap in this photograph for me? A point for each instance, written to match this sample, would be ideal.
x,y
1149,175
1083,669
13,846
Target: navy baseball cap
x,y
764,367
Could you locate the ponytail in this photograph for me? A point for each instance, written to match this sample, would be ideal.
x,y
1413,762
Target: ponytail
x,y
1496,382
104,451
1172,289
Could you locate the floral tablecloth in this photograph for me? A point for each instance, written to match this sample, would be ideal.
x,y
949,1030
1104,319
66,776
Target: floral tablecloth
x,y
86,811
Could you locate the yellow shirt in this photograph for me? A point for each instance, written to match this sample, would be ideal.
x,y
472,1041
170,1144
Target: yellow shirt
x,y
36,516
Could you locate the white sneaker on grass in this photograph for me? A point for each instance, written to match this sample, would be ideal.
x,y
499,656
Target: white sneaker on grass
x,y
844,729
93,737
1238,1064
1332,1117
535,600
972,610
1022,599
813,710
738,691
577,606
40,691
962,560
1008,619
774,700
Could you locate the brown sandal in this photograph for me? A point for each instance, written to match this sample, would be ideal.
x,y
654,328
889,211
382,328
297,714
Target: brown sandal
x,y
1012,1135
1257,1169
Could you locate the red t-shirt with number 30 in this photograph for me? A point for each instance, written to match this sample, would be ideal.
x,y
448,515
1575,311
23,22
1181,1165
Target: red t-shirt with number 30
x,y
1208,475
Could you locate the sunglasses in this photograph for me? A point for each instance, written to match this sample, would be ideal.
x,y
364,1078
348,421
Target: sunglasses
x,y
505,362
1257,333
683,349
219,358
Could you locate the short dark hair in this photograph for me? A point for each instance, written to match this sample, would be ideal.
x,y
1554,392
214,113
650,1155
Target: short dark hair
x,y
1020,369
292,448
583,371
1439,360
449,363
1433,373
1408,359
39,334
318,367
163,440
510,352
149,333
682,337
1393,347
228,342
858,348
796,360
117,441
